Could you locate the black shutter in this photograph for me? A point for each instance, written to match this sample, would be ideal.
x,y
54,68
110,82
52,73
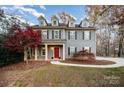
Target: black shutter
x,y
69,51
83,35
68,35
47,34
90,35
59,34
52,34
75,35
90,49
83,48
75,49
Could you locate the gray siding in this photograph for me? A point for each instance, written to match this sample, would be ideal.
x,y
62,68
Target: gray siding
x,y
79,43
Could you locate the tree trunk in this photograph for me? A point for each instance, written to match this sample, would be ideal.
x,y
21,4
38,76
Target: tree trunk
x,y
120,47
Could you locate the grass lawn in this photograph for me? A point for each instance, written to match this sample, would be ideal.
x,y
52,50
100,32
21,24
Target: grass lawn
x,y
66,76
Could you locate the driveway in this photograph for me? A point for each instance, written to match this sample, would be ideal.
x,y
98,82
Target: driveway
x,y
119,62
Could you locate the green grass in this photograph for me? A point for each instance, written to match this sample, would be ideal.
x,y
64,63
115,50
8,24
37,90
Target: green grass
x,y
53,75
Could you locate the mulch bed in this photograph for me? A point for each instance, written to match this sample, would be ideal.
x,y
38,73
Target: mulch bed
x,y
89,62
24,66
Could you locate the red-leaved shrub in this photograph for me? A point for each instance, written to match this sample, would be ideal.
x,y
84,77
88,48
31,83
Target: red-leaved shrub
x,y
83,55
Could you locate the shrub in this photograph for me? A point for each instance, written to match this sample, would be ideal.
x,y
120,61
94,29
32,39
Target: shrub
x,y
84,55
7,57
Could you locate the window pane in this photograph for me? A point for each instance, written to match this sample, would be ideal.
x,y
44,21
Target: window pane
x,y
44,34
43,50
72,50
56,34
72,34
54,22
86,35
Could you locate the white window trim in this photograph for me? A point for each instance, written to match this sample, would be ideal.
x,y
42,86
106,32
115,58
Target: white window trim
x,y
53,22
44,35
73,34
72,52
42,51
86,37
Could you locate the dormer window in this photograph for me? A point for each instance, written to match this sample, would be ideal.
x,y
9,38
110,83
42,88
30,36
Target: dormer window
x,y
71,24
54,22
85,23
42,22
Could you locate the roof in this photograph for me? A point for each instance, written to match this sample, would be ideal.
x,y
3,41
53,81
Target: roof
x,y
63,26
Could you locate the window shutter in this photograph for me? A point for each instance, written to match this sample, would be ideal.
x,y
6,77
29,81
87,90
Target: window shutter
x,y
75,35
90,35
90,49
52,34
47,34
59,34
83,48
83,35
69,51
75,49
68,35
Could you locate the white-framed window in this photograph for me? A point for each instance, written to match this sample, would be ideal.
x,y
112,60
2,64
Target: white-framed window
x,y
56,34
54,22
87,35
42,22
84,24
72,50
72,34
71,24
43,51
44,34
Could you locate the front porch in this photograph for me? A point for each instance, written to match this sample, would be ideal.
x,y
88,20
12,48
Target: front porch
x,y
46,52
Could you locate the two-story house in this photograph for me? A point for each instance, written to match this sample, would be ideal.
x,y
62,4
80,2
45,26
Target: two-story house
x,y
61,41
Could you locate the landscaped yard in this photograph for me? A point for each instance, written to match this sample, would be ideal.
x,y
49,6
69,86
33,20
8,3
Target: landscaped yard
x,y
54,75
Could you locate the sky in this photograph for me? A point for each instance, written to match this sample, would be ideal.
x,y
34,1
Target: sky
x,y
30,13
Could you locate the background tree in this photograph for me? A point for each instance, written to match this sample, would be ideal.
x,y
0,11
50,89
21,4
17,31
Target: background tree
x,y
65,17
8,24
109,20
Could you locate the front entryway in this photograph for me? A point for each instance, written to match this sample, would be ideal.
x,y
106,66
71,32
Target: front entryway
x,y
56,52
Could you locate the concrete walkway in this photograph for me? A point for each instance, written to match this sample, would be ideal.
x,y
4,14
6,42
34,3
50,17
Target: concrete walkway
x,y
119,62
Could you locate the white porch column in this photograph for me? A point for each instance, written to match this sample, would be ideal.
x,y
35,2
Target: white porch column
x,y
25,54
63,51
46,52
35,53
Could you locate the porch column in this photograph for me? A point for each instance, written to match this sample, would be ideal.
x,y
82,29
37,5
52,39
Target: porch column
x,y
25,54
35,53
63,51
46,52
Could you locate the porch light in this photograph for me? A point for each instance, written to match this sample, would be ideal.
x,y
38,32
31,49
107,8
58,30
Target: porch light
x,y
51,48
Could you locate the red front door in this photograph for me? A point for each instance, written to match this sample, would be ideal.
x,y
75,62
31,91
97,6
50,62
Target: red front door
x,y
56,52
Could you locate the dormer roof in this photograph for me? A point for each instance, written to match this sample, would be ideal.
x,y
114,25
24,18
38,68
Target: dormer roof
x,y
54,17
42,18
